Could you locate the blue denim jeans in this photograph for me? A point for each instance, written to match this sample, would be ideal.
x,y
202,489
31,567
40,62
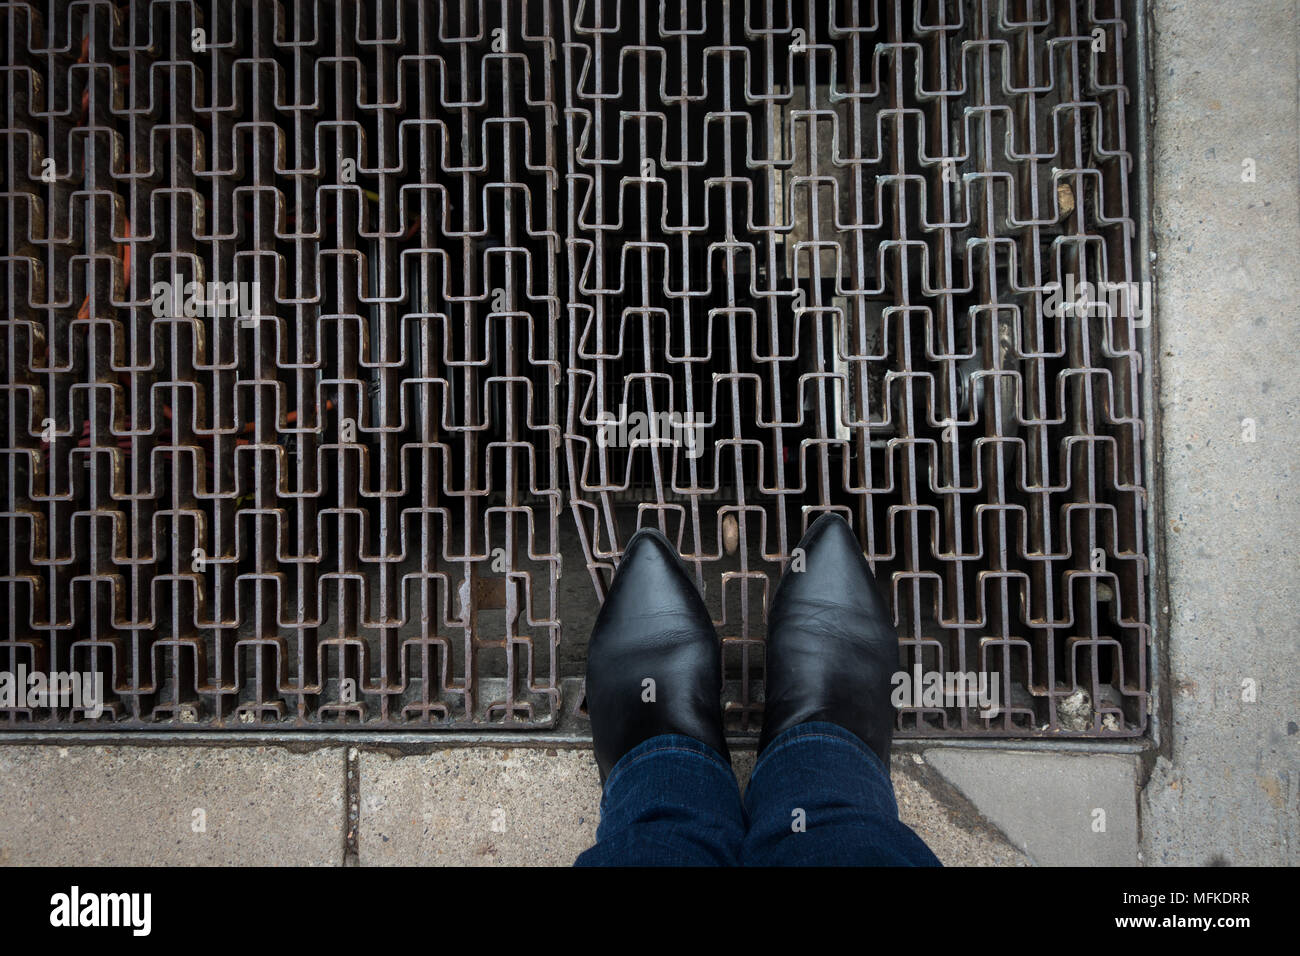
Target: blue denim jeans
x,y
818,797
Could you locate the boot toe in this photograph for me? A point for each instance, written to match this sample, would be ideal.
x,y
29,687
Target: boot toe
x,y
835,572
831,644
653,663
650,568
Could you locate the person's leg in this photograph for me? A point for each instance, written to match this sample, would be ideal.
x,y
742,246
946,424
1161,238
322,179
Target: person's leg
x,y
671,801
819,796
820,792
654,682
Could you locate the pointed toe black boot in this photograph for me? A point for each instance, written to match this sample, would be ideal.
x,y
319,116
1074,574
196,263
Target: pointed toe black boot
x,y
654,665
831,645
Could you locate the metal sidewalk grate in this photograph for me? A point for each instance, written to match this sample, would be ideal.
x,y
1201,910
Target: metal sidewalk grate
x,y
824,238
331,327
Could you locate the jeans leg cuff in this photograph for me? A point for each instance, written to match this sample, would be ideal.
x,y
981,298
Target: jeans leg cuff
x,y
664,743
823,729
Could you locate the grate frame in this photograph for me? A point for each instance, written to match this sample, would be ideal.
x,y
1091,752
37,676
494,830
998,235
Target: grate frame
x,y
557,695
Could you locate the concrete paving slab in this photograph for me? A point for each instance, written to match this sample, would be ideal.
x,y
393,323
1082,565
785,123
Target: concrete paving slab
x,y
1059,809
1227,222
181,806
521,807
949,823
477,806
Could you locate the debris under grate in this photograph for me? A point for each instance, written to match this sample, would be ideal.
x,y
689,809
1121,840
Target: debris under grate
x,y
333,327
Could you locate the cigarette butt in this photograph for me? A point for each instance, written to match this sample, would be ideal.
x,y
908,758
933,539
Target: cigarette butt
x,y
1065,198
730,533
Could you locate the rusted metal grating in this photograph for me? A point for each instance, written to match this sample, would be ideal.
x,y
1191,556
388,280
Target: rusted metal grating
x,y
341,504
814,244
811,266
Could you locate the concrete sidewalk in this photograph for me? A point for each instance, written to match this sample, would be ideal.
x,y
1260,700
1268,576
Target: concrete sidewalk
x,y
269,806
1225,789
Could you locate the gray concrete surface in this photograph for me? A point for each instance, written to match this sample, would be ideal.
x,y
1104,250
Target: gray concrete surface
x,y
478,807
502,807
1228,274
1059,809
481,806
179,806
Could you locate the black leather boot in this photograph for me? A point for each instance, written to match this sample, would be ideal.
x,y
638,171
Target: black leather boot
x,y
831,645
653,627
